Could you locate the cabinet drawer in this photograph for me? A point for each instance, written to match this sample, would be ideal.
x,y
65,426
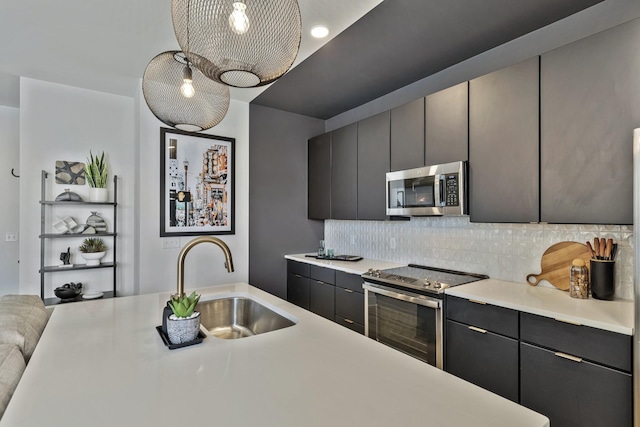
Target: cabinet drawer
x,y
576,394
608,348
500,320
348,323
326,275
485,359
349,281
296,267
350,304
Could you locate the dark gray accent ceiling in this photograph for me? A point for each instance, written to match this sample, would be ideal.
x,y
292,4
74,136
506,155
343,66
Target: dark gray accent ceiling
x,y
402,41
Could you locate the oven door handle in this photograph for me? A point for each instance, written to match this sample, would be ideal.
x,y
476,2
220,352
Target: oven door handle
x,y
413,298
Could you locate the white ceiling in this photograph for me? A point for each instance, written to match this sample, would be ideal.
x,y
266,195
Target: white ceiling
x,y
106,45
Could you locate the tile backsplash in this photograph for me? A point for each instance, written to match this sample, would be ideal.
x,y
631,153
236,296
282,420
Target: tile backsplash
x,y
503,251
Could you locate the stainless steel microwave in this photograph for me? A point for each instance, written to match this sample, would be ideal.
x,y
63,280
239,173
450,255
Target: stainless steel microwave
x,y
430,190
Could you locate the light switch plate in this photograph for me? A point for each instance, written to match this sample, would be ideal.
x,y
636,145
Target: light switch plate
x,y
170,243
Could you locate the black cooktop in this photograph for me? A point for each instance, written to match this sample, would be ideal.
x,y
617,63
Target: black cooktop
x,y
422,278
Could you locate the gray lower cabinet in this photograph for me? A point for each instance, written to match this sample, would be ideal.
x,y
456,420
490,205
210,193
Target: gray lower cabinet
x,y
589,92
504,144
481,345
574,393
349,299
575,375
335,295
407,136
344,172
447,125
373,164
319,177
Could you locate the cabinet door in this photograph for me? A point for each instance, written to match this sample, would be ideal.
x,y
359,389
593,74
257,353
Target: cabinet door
x,y
344,172
504,144
407,136
298,290
321,299
319,177
589,95
373,164
447,125
572,393
350,305
483,358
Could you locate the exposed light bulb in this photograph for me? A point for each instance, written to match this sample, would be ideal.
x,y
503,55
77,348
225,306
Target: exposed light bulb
x,y
238,20
187,89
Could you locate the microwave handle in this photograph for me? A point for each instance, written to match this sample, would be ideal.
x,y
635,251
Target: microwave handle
x,y
438,189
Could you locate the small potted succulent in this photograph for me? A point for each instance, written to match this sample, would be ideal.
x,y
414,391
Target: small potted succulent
x,y
96,174
92,250
184,324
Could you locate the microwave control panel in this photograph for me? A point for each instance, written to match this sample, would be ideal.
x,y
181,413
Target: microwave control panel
x,y
451,190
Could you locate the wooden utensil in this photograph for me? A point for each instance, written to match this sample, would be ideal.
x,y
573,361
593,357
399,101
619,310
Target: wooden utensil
x,y
596,247
609,247
556,263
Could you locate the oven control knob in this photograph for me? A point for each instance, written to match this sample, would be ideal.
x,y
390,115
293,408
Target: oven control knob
x,y
426,282
437,284
377,273
370,272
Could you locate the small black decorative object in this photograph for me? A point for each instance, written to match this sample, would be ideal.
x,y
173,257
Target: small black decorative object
x,y
65,257
68,291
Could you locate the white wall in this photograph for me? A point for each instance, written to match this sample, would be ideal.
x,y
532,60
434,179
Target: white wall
x,y
59,122
205,263
10,189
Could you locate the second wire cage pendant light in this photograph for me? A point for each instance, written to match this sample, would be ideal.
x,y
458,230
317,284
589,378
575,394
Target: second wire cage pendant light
x,y
241,43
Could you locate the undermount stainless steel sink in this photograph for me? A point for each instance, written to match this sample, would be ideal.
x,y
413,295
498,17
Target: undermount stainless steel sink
x,y
239,317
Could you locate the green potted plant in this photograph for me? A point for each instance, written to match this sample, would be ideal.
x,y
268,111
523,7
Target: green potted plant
x,y
184,324
92,250
96,174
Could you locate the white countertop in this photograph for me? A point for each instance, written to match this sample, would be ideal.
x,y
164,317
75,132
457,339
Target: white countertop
x,y
353,267
614,316
102,363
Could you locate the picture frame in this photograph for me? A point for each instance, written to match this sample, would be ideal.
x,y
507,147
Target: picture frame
x,y
197,184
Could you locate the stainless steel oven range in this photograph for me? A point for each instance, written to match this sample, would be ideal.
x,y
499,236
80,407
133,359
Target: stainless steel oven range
x,y
403,308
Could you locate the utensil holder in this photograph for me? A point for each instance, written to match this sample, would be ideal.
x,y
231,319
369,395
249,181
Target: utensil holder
x,y
602,279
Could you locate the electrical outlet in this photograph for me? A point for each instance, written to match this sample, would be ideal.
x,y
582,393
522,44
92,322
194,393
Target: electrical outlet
x,y
11,237
392,242
170,243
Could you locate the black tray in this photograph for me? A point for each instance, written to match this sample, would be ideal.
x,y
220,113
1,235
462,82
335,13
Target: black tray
x,y
165,339
337,257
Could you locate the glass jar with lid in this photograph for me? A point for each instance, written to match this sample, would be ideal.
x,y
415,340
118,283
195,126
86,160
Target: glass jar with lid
x,y
579,279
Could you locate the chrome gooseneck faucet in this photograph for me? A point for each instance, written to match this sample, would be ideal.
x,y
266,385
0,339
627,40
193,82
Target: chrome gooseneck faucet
x,y
185,250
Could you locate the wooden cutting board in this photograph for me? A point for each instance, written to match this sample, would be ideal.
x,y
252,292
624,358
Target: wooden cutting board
x,y
556,264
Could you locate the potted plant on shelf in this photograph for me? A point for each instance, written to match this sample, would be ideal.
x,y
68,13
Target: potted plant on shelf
x,y
96,174
184,324
92,250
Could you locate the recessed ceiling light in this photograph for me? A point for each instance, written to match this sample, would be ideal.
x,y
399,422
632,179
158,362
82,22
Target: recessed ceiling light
x,y
319,31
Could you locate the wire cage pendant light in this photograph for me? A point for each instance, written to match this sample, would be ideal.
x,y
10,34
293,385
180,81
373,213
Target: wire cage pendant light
x,y
181,96
239,43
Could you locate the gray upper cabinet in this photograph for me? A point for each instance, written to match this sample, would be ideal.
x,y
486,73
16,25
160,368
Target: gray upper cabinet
x,y
344,172
407,136
319,177
373,164
447,125
589,92
504,144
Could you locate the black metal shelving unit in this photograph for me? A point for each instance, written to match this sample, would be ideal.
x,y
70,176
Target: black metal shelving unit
x,y
44,237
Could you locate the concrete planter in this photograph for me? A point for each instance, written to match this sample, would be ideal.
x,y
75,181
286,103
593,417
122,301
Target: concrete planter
x,y
182,330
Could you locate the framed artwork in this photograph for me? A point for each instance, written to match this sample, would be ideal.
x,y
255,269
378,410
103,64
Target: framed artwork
x,y
71,173
196,183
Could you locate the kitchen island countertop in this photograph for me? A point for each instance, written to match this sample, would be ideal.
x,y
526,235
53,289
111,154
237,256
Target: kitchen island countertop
x,y
102,363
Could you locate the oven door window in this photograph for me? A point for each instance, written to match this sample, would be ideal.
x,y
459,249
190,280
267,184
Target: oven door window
x,y
408,327
412,193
